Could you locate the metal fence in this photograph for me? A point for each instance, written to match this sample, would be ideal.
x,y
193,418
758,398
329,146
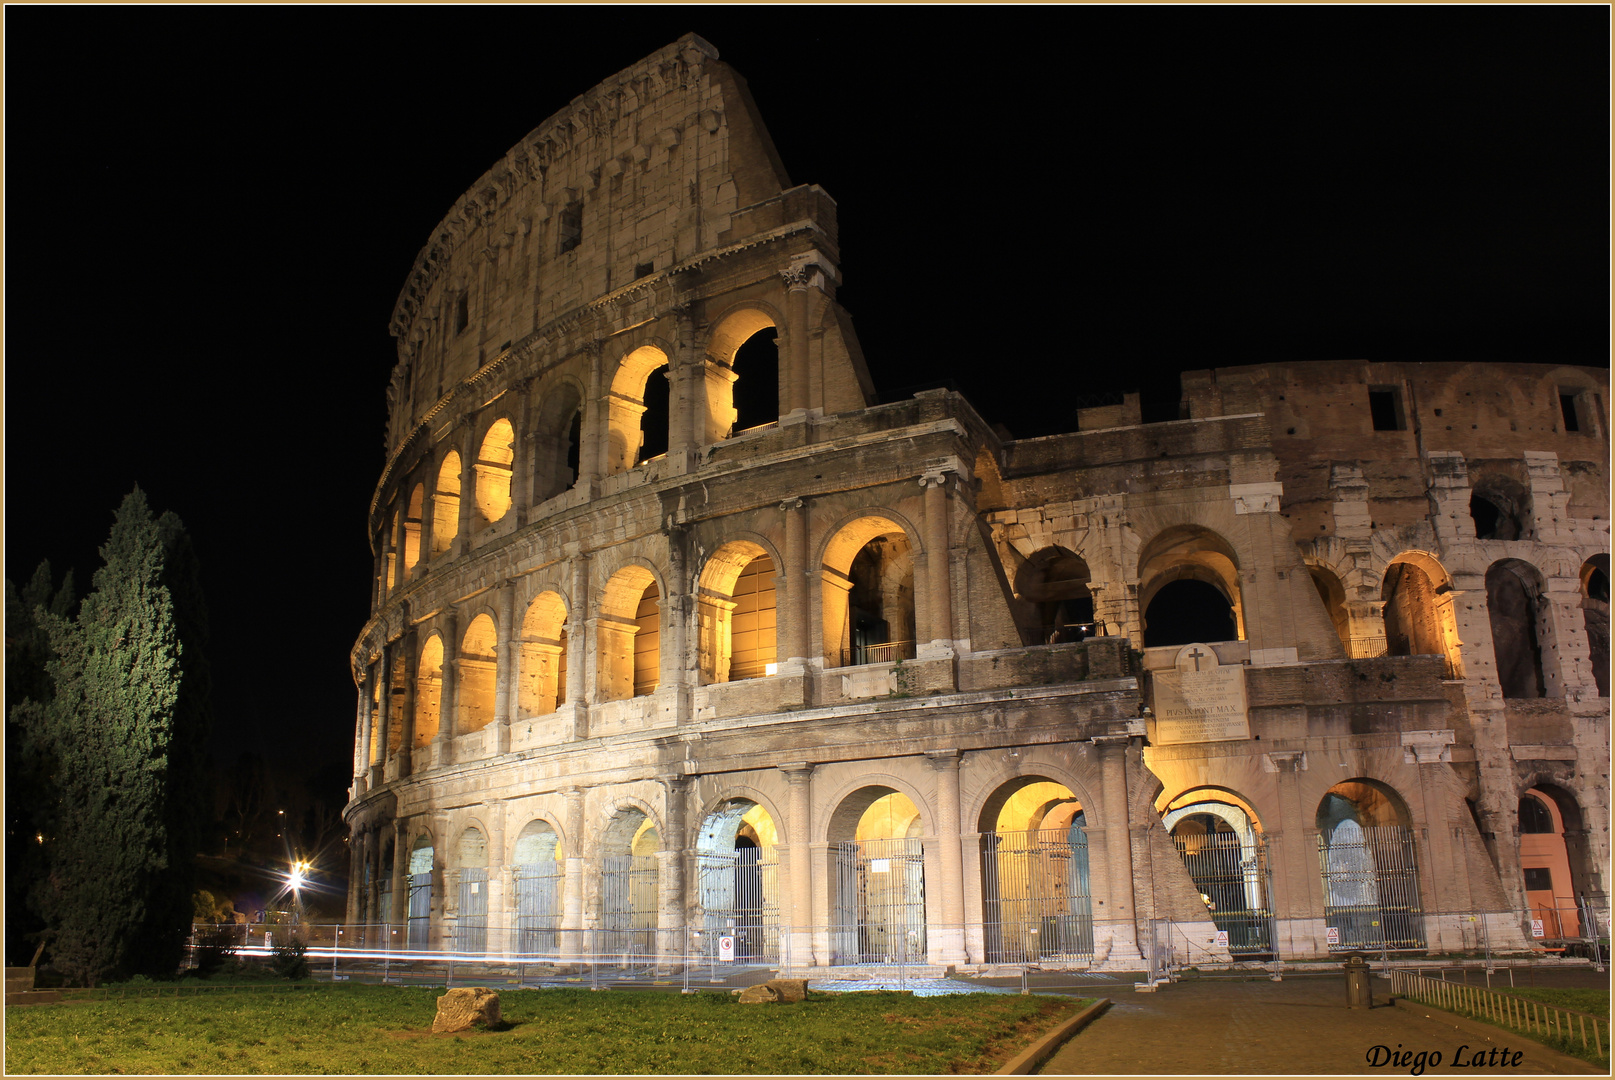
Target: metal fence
x,y
1232,873
1371,888
1038,903
1565,1028
879,902
739,892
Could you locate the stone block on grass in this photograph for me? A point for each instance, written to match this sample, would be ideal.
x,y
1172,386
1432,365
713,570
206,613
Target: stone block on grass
x,y
466,1007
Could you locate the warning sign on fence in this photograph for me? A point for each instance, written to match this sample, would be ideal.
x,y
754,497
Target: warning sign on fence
x,y
1222,938
1536,928
726,948
1333,933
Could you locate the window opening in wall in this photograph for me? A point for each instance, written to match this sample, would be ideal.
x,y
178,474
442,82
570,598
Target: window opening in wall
x,y
1385,407
1054,583
756,387
479,668
644,270
574,446
1419,620
880,605
653,424
1189,610
446,504
571,226
541,685
1567,407
751,624
428,692
1534,816
648,642
1595,615
494,468
1500,507
1513,601
462,312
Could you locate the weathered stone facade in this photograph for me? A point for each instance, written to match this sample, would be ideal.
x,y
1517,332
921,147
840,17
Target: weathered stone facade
x,y
867,681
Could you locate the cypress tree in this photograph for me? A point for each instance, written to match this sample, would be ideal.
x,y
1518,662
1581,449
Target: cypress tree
x,y
110,728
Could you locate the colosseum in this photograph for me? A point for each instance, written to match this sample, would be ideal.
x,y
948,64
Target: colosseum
x,y
660,661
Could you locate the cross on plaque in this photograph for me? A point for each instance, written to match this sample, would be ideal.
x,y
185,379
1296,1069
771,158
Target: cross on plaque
x,y
1195,656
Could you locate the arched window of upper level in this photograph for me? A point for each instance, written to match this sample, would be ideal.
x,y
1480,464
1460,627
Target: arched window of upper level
x,y
493,468
736,605
868,594
1189,588
542,685
429,691
412,528
743,384
1535,817
1515,602
1595,612
637,410
1419,620
1054,582
479,666
558,441
1501,508
1333,595
446,504
629,628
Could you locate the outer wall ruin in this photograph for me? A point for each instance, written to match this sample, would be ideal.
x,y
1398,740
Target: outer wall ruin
x,y
1323,664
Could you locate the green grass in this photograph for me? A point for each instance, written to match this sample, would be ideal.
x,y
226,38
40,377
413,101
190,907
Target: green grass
x,y
382,1029
1582,999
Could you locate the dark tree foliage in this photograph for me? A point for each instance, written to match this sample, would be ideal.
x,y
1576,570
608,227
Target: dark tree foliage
x,y
117,730
28,794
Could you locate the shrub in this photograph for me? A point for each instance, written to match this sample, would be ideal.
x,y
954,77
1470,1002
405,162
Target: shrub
x,y
214,947
288,960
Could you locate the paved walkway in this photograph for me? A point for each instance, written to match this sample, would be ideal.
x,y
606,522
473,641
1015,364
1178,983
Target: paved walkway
x,y
1300,1025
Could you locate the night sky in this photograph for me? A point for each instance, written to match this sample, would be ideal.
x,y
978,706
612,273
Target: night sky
x,y
210,213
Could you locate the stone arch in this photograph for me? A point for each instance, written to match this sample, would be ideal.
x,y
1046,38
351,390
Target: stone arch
x,y
1500,507
725,375
630,876
1332,591
429,690
1218,836
1036,897
1516,604
558,439
1170,560
1369,865
1568,855
1419,615
1595,614
446,503
539,871
478,675
878,911
737,876
736,603
541,683
1054,581
412,528
867,589
493,468
422,874
627,403
629,633
471,847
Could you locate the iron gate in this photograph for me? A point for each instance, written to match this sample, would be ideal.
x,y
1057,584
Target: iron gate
x,y
420,910
471,927
739,891
628,903
880,902
1038,903
1231,872
1371,887
538,907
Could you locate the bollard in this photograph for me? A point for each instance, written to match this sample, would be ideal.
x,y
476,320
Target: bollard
x,y
1359,992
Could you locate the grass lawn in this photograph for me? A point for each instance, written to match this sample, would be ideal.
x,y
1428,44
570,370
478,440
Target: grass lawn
x,y
387,1029
1582,999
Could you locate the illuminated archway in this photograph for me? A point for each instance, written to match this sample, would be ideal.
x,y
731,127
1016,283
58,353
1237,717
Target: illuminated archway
x,y
471,922
539,875
429,691
629,633
542,682
868,594
419,910
479,670
1419,619
737,878
736,606
494,469
1055,582
1199,572
1220,840
630,881
627,403
1037,901
1367,856
446,504
879,907
737,364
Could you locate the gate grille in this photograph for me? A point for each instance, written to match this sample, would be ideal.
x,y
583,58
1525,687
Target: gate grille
x,y
739,889
420,909
1231,873
1037,881
471,928
880,902
1371,887
628,908
538,907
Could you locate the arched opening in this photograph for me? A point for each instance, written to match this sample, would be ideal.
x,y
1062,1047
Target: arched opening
x,y
420,893
630,625
1516,607
557,442
541,687
868,594
1221,844
384,899
630,880
1370,868
494,469
446,504
429,691
1055,582
737,879
396,700
637,411
1556,858
412,529
736,605
1037,902
742,383
479,669
1501,508
1333,595
1189,588
539,874
393,571
471,924
1419,620
879,909
1595,613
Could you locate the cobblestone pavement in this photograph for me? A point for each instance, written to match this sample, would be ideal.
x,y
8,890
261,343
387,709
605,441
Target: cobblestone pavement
x,y
1298,1026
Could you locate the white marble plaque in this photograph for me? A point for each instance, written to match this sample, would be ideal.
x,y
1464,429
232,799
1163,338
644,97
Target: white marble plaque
x,y
1200,700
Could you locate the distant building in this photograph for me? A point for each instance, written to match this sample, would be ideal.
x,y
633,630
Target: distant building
x,y
1321,665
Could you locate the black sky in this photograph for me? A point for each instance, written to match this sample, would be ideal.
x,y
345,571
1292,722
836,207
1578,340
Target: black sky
x,y
210,212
